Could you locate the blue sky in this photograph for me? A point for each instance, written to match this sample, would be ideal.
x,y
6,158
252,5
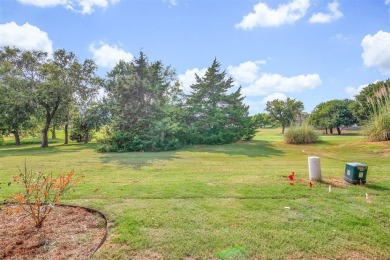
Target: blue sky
x,y
310,50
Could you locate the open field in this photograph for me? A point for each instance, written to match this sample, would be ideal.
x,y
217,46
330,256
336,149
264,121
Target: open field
x,y
228,201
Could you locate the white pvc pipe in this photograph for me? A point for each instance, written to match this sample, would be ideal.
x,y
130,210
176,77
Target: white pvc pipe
x,y
314,168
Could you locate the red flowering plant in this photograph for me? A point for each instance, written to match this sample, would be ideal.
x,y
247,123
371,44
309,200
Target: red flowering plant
x,y
40,193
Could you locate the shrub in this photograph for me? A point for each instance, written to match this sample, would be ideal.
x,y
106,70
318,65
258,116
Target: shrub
x,y
81,136
2,142
378,127
40,193
304,134
130,142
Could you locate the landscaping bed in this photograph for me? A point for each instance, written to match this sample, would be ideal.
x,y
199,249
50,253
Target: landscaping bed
x,y
68,232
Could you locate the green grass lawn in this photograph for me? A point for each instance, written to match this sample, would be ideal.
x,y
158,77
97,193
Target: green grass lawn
x,y
228,201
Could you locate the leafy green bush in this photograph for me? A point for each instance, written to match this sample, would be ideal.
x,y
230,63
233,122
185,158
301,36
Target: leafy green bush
x,y
80,136
2,142
128,142
304,134
378,127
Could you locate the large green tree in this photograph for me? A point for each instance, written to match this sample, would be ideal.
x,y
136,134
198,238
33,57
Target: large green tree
x,y
32,83
64,79
342,114
284,112
321,117
216,113
18,77
141,97
333,114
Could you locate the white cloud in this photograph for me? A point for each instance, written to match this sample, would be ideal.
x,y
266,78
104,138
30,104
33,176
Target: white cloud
x,y
333,15
387,2
170,2
264,16
342,38
44,3
353,91
25,37
376,51
188,78
246,72
279,96
269,83
80,6
109,55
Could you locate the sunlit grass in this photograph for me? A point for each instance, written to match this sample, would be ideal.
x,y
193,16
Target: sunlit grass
x,y
230,201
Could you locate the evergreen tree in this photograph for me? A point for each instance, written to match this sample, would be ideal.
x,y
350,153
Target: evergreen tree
x,y
214,115
141,100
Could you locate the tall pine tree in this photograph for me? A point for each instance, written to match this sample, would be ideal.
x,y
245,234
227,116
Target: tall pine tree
x,y
141,100
214,115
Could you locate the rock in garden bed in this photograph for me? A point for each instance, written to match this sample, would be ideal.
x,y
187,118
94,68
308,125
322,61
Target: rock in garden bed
x,y
67,233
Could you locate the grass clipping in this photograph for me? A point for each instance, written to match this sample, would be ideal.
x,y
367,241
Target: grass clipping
x,y
304,134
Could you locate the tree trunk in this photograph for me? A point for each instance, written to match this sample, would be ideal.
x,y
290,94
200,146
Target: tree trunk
x,y
45,139
17,137
49,117
66,134
331,130
53,132
338,130
326,130
86,136
45,130
283,127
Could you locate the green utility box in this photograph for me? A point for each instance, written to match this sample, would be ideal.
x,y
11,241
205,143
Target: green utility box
x,y
355,173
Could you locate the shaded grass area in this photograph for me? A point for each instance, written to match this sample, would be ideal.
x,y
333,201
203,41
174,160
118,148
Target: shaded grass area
x,y
228,202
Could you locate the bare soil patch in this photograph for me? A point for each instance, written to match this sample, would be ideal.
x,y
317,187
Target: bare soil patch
x,y
335,182
67,233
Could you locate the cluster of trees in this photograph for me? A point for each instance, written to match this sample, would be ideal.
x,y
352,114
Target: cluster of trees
x,y
333,114
38,92
329,116
143,108
149,112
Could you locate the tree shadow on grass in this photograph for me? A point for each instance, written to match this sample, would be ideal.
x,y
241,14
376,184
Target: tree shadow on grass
x,y
28,150
322,141
377,187
254,148
137,160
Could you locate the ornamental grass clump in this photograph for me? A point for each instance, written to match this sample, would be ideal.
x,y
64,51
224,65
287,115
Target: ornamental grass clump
x,y
40,193
377,129
304,134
